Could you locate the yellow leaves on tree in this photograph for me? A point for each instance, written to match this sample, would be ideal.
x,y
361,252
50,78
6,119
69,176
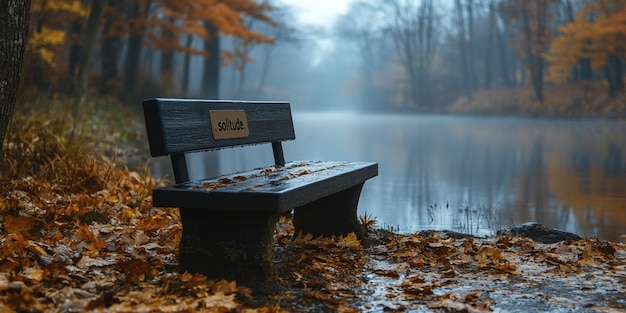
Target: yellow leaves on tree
x,y
41,43
48,18
599,30
70,6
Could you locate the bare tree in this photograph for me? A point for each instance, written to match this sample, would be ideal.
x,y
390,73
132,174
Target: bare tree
x,y
111,45
241,58
187,64
282,32
135,43
211,67
167,55
361,27
490,39
412,28
463,49
13,35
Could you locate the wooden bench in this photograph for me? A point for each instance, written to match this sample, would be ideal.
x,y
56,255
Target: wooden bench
x,y
229,221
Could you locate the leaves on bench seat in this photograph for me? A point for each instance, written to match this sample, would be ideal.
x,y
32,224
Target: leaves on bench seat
x,y
273,175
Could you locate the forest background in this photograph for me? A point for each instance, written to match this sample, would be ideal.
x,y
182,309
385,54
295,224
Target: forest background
x,y
549,57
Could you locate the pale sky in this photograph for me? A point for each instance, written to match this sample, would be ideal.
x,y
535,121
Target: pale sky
x,y
318,12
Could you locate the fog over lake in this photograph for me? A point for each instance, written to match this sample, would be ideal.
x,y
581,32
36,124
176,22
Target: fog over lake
x,y
470,174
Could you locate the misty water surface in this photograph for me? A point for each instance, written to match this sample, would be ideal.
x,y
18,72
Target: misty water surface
x,y
470,174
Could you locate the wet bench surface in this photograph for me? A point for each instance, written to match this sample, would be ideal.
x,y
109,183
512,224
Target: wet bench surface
x,y
271,189
229,221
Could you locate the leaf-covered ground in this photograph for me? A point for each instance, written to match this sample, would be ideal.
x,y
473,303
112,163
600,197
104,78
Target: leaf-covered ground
x,y
100,252
78,233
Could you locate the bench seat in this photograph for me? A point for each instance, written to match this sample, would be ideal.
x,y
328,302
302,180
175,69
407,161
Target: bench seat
x,y
270,189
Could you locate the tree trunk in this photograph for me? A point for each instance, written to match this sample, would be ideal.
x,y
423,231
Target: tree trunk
x,y
93,24
211,69
167,59
413,75
533,59
427,51
110,49
614,75
77,29
267,53
186,64
133,53
413,36
167,69
471,59
242,77
585,73
489,50
13,37
463,49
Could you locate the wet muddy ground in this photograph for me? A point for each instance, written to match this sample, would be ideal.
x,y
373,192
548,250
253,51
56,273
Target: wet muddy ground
x,y
446,271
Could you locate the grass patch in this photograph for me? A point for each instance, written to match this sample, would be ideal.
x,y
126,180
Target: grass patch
x,y
576,100
52,155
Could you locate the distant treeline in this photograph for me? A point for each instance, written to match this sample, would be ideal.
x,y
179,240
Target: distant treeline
x,y
386,55
428,54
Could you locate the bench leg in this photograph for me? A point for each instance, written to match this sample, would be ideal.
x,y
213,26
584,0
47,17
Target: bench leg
x,y
230,245
333,215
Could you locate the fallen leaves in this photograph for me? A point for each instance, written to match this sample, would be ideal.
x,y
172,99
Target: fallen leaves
x,y
18,224
97,250
479,274
153,223
129,264
473,302
260,177
93,243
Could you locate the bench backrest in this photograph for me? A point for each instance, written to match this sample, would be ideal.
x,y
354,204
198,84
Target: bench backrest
x,y
179,126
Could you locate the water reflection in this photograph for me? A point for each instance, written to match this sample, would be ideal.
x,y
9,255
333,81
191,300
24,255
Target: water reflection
x,y
468,173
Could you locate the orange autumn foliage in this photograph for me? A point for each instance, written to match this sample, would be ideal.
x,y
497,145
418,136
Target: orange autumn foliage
x,y
599,30
170,20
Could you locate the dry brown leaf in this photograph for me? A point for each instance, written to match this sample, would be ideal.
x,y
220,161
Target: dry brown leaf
x,y
23,301
30,275
350,241
221,301
86,261
387,272
225,181
153,223
193,280
418,290
12,242
136,270
18,224
85,234
507,268
313,295
224,286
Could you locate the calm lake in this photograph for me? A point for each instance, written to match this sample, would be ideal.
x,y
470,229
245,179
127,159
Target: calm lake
x,y
470,174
